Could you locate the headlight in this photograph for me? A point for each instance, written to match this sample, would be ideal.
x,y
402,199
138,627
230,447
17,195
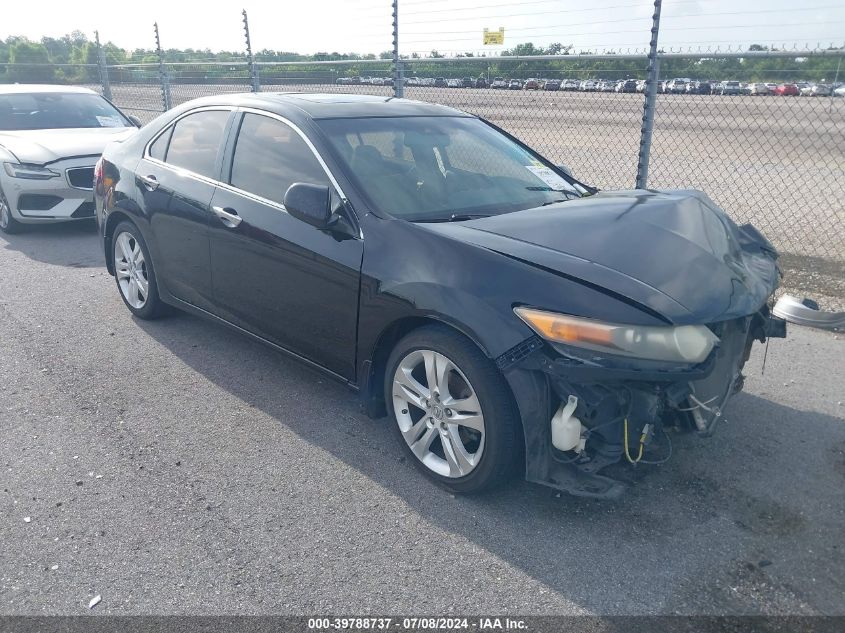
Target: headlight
x,y
683,344
31,172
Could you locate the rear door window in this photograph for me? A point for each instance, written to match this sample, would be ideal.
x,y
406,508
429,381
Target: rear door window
x,y
158,149
195,141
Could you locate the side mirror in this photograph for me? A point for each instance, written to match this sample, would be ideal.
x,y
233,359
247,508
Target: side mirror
x,y
135,120
309,203
565,170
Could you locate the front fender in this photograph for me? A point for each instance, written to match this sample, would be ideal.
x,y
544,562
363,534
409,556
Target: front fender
x,y
491,329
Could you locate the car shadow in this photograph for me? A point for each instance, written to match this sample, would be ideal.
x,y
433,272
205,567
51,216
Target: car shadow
x,y
70,244
707,521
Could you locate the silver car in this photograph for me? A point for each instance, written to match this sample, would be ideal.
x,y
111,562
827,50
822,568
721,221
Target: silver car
x,y
50,140
815,90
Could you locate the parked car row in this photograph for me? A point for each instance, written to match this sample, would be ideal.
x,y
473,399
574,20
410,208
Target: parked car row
x,y
733,87
678,85
584,85
769,88
364,81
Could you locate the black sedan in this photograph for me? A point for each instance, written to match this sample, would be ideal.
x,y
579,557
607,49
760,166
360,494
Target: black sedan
x,y
503,314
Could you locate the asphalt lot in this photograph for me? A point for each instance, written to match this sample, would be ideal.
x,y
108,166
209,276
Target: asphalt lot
x,y
777,162
175,467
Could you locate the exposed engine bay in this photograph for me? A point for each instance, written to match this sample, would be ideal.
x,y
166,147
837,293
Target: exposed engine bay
x,y
611,410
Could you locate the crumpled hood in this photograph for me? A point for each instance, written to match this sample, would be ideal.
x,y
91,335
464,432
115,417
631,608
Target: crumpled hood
x,y
672,252
46,146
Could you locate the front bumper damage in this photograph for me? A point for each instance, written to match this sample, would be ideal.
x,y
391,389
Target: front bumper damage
x,y
806,312
66,197
622,398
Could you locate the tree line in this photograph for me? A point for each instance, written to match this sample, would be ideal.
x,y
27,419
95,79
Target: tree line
x,y
68,59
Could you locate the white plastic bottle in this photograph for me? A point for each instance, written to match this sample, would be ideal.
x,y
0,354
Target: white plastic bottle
x,y
566,428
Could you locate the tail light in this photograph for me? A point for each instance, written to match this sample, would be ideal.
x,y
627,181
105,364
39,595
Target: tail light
x,y
98,177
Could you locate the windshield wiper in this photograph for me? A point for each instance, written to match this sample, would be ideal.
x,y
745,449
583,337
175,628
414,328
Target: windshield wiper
x,y
545,204
569,192
455,217
460,217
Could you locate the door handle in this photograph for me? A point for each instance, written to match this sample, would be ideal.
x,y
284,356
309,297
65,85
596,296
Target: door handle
x,y
228,216
149,182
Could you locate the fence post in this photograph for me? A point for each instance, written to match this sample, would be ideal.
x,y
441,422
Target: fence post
x,y
162,73
102,67
398,79
650,101
835,81
253,69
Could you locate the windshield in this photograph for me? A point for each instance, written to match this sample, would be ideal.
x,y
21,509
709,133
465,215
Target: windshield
x,y
442,168
54,110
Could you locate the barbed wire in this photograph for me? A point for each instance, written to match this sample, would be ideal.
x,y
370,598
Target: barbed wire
x,y
646,17
433,39
432,36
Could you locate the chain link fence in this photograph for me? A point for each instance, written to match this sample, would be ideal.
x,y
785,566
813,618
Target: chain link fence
x,y
595,131
63,74
773,160
137,89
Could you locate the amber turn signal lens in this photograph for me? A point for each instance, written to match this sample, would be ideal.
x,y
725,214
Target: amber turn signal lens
x,y
559,328
683,344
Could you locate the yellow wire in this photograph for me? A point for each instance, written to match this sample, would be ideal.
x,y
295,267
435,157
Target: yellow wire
x,y
642,443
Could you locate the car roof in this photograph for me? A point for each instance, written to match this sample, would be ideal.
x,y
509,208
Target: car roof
x,y
332,105
31,88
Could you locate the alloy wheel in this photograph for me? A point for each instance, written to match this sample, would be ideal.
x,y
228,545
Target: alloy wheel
x,y
438,413
130,268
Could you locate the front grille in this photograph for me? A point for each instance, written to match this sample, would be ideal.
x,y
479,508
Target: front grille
x,y
85,210
81,177
37,202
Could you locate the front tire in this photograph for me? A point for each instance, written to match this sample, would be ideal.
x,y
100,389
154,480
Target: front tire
x,y
134,272
8,224
452,411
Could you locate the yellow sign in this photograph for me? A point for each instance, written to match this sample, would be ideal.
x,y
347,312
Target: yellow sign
x,y
494,37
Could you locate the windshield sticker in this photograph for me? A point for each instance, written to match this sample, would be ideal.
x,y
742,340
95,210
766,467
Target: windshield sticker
x,y
109,121
550,178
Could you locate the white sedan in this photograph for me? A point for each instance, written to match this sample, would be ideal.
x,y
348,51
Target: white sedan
x,y
815,90
50,139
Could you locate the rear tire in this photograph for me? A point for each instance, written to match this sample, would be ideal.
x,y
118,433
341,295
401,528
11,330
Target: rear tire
x,y
8,224
465,430
134,272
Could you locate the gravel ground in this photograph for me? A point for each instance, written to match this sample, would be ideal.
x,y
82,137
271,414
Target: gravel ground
x,y
174,467
777,162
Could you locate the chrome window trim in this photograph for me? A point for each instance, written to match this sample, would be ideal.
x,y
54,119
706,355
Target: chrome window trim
x,y
278,205
182,170
253,196
302,135
224,185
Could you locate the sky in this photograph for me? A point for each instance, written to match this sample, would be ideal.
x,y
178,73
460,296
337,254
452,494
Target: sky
x,y
450,26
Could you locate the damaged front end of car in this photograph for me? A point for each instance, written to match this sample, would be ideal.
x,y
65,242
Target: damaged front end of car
x,y
608,408
614,390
